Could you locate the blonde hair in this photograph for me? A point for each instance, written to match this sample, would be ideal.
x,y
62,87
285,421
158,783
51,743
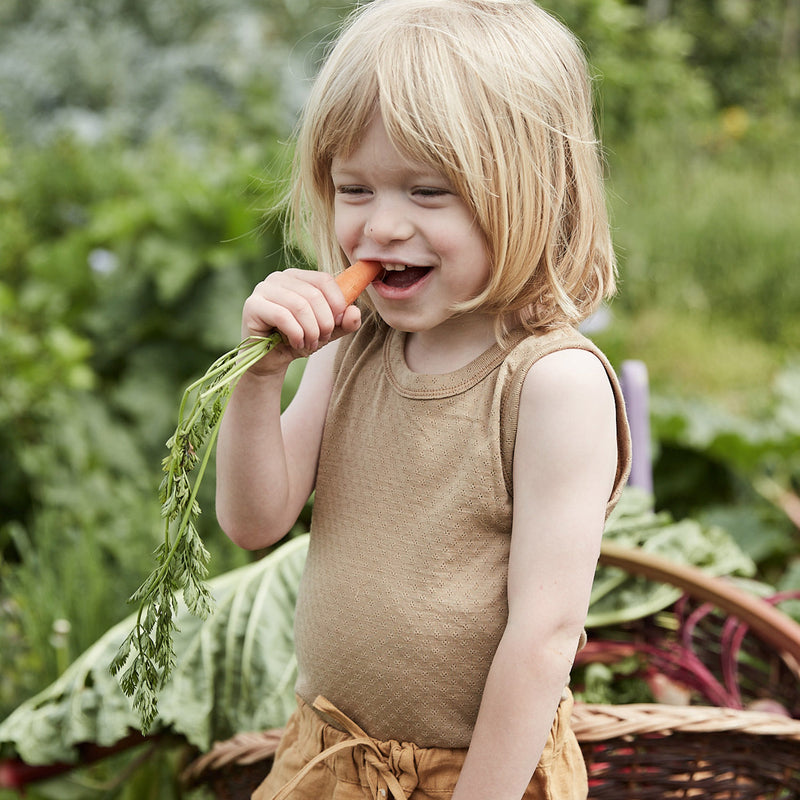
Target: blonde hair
x,y
495,95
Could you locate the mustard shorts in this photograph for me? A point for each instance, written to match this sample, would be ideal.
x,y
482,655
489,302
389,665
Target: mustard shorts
x,y
317,760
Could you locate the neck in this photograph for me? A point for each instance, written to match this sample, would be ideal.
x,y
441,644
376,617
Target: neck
x,y
447,348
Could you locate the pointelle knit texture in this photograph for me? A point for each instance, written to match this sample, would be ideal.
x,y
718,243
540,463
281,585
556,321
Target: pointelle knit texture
x,y
403,599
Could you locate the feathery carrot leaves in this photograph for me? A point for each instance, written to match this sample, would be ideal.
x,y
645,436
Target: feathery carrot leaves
x,y
146,657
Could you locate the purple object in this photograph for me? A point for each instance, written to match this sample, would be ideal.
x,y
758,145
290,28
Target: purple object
x,y
635,389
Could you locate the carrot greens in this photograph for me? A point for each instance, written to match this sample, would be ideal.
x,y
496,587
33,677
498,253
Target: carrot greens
x,y
148,654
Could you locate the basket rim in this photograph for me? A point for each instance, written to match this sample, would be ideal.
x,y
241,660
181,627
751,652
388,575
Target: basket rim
x,y
772,625
594,722
591,722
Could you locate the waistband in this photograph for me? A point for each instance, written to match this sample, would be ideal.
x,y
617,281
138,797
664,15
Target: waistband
x,y
388,770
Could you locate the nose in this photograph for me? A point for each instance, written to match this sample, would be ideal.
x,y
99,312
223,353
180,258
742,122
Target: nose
x,y
387,223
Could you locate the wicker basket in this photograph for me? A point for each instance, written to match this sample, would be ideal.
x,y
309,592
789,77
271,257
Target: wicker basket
x,y
727,647
658,751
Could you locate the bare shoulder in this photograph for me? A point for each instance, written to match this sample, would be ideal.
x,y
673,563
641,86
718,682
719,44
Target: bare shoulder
x,y
567,422
573,376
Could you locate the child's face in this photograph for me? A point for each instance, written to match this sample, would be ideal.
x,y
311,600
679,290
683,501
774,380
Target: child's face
x,y
407,215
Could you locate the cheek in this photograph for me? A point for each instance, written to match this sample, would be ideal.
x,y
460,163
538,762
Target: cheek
x,y
345,229
466,243
476,263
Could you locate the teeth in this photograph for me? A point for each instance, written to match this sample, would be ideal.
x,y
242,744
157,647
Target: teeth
x,y
394,267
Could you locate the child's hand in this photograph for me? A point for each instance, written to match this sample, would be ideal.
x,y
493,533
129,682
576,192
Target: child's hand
x,y
309,310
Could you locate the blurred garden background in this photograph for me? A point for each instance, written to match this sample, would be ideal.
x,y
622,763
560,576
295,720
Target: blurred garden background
x,y
144,147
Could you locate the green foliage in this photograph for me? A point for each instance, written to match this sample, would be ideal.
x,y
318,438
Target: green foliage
x,y
715,233
614,683
140,158
619,597
122,278
148,772
749,50
736,471
135,68
644,79
767,441
88,528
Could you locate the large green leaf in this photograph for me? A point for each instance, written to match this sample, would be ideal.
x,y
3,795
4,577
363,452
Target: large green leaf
x,y
236,671
619,597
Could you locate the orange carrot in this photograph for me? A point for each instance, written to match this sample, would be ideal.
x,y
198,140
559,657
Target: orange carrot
x,y
357,277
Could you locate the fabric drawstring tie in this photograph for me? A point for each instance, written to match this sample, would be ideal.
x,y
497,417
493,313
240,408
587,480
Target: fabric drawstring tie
x,y
376,764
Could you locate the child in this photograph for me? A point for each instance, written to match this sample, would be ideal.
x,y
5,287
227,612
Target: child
x,y
463,440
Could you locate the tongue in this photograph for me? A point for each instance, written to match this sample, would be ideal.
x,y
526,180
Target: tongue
x,y
402,279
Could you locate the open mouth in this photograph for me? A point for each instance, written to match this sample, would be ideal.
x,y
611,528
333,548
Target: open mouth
x,y
402,276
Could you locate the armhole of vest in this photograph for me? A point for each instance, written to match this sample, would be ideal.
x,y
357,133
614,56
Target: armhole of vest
x,y
509,417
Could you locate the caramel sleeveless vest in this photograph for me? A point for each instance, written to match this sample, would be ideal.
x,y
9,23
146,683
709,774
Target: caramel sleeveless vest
x,y
403,598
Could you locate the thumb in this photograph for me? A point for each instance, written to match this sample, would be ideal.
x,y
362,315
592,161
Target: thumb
x,y
349,322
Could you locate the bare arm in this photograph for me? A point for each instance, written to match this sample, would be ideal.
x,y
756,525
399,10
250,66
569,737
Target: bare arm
x,y
564,467
266,463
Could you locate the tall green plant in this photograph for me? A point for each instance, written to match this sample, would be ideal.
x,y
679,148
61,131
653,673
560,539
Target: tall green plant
x,y
710,227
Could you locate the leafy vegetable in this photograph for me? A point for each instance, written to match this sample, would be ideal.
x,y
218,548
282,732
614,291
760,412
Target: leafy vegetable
x,y
620,597
182,559
236,672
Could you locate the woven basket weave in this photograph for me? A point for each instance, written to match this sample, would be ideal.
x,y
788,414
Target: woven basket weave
x,y
745,651
658,751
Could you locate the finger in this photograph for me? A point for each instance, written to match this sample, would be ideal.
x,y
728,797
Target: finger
x,y
300,280
263,316
331,290
294,305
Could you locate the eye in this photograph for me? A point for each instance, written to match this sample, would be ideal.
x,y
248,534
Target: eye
x,y
430,191
352,190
